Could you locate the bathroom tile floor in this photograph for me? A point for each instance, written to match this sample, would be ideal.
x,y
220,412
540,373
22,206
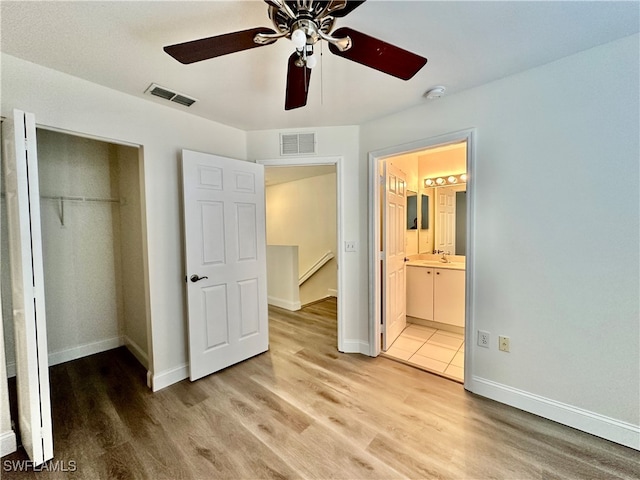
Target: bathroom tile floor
x,y
430,349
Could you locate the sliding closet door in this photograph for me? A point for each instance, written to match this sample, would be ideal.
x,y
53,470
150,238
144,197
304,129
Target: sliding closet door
x,y
27,283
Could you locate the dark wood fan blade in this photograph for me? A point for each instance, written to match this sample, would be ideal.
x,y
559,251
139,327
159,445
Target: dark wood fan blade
x,y
379,55
297,84
211,47
349,7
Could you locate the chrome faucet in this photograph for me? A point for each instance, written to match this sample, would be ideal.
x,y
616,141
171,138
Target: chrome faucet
x,y
444,258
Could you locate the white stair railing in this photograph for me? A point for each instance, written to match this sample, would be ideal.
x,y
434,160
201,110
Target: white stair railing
x,y
315,267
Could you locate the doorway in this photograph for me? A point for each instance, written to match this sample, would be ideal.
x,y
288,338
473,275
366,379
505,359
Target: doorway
x,y
322,257
93,250
431,269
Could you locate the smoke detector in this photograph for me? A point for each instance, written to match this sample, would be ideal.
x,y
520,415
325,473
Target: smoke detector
x,y
435,92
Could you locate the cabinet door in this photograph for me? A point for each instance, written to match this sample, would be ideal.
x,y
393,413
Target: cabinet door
x,y
420,292
449,296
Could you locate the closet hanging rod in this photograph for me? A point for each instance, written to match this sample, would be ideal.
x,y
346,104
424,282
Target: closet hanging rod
x,y
80,199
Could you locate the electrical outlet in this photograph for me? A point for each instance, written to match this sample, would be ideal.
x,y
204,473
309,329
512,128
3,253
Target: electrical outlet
x,y
483,339
503,344
350,246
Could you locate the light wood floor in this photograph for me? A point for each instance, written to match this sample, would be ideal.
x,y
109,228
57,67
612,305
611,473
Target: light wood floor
x,y
303,410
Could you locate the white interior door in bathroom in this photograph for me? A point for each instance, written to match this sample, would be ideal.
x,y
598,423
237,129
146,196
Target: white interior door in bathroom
x,y
27,285
226,265
394,318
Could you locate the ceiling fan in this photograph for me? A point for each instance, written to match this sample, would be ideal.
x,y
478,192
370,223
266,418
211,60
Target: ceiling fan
x,y
305,22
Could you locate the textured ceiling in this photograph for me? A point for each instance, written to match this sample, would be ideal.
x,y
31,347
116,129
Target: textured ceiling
x,y
119,45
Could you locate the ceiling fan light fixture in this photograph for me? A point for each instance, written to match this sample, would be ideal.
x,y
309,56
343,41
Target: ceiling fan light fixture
x,y
312,60
435,92
299,38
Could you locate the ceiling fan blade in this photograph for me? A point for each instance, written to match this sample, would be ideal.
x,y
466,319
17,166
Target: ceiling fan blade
x,y
350,6
378,55
297,84
211,47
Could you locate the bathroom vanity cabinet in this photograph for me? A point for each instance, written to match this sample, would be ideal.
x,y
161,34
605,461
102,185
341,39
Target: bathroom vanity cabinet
x,y
436,294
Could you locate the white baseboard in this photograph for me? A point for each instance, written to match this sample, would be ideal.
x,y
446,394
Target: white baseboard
x,y
354,346
599,425
286,304
169,377
333,292
7,443
138,352
80,351
84,350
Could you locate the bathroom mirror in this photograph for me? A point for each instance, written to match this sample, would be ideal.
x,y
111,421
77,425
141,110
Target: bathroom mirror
x,y
446,207
412,210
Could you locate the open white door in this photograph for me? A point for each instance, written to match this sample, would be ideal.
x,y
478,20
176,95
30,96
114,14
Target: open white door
x,y
394,317
226,266
27,282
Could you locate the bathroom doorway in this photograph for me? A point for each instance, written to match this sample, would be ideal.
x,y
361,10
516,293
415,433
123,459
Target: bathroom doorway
x,y
435,233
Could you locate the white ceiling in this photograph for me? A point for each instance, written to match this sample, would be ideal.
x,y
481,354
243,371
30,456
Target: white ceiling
x,y
119,44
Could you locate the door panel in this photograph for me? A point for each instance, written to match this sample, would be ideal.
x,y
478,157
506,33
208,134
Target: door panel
x,y
394,218
27,282
225,244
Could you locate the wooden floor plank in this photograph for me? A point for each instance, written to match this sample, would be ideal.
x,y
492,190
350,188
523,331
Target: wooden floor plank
x,y
303,410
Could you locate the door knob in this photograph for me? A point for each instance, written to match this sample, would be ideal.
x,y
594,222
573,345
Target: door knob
x,y
195,278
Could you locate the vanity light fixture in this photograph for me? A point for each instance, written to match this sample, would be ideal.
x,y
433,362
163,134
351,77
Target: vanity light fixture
x,y
442,181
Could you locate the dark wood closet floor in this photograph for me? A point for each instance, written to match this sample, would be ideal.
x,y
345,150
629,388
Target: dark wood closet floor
x,y
303,410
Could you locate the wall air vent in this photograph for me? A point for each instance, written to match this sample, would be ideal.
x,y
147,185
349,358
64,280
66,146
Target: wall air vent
x,y
170,95
297,143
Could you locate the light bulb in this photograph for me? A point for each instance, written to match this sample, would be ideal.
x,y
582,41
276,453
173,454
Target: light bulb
x,y
463,177
312,60
428,182
298,38
452,179
440,181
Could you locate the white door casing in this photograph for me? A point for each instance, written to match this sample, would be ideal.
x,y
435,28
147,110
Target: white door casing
x,y
226,273
27,283
393,264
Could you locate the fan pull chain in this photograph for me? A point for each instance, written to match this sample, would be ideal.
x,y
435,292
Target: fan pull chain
x,y
321,77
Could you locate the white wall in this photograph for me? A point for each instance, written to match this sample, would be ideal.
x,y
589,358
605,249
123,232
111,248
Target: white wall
x,y
556,263
75,105
303,213
282,276
343,142
134,315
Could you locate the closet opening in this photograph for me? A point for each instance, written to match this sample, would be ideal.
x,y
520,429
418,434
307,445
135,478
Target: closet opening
x,y
91,203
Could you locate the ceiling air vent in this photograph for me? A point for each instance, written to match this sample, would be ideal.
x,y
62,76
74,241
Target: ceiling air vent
x,y
297,143
170,95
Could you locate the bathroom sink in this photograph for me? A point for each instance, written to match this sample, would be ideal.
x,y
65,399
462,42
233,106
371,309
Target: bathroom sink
x,y
438,264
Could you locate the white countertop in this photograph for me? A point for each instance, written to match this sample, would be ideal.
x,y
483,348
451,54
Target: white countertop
x,y
436,264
